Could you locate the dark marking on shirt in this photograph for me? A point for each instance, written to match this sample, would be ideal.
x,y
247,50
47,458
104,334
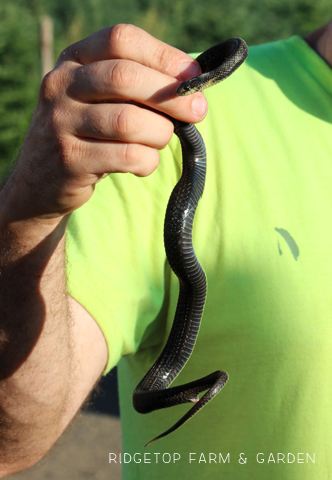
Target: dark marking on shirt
x,y
290,242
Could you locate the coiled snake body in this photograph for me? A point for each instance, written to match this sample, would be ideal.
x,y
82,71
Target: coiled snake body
x,y
152,393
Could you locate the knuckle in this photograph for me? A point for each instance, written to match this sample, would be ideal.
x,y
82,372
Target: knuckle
x,y
66,53
50,86
131,156
121,75
70,53
57,119
125,123
168,133
121,34
166,58
55,82
97,123
71,151
139,160
150,164
122,123
67,149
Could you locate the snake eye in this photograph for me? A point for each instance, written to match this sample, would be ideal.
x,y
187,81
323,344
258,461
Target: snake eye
x,y
183,89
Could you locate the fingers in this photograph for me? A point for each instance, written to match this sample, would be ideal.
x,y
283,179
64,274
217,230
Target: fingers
x,y
108,138
89,160
123,123
124,63
103,109
123,80
131,43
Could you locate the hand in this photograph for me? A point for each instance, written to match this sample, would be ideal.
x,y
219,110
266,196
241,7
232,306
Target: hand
x,y
101,111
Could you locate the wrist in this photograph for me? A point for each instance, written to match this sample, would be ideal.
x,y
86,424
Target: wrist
x,y
17,215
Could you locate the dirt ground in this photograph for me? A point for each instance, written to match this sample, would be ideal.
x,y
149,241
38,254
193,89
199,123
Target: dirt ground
x,y
82,452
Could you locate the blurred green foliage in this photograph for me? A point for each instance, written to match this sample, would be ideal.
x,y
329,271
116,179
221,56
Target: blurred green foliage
x,y
19,77
186,24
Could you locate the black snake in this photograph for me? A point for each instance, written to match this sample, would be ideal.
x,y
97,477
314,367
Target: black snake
x,y
152,393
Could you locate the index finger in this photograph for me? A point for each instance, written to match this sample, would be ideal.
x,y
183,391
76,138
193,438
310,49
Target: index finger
x,y
127,42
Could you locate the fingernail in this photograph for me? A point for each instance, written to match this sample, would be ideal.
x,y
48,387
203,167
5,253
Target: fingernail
x,y
199,106
189,70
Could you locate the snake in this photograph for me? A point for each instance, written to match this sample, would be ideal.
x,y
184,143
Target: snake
x,y
152,393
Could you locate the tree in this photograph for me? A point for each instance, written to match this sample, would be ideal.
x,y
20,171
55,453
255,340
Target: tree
x,y
19,77
194,26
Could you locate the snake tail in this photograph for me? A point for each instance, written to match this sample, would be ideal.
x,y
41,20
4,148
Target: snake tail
x,y
214,382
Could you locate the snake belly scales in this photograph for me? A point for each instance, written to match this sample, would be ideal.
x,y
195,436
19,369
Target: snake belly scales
x,y
152,393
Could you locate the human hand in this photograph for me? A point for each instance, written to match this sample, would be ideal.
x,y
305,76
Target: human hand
x,y
100,111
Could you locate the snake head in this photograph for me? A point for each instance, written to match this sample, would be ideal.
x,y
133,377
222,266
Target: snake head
x,y
184,89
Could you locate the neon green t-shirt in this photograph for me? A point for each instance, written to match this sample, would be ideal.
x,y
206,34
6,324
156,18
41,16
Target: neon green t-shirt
x,y
263,233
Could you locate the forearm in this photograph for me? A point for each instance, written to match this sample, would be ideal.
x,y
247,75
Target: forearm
x,y
35,342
